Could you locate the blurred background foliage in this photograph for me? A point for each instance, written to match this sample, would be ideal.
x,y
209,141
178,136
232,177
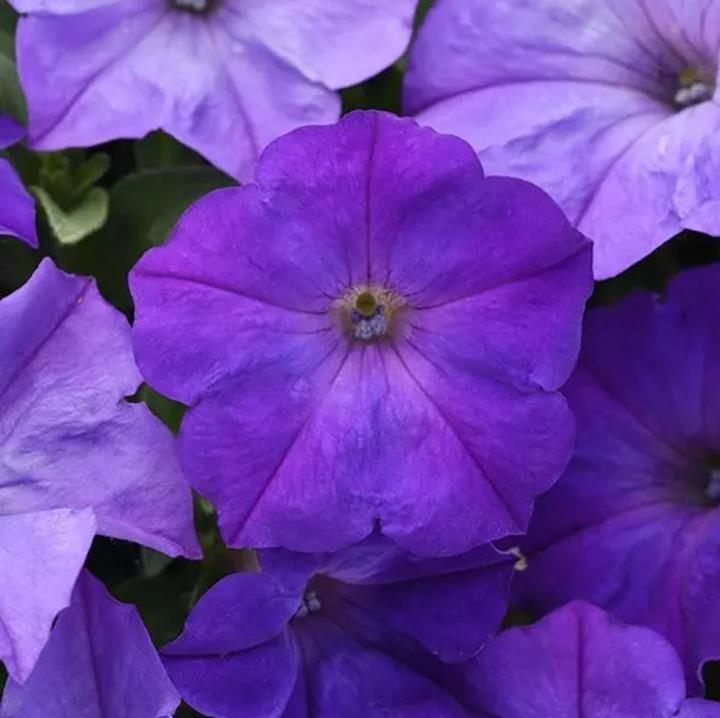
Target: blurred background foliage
x,y
100,209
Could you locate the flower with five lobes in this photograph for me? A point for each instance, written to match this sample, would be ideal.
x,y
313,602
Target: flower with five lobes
x,y
371,335
222,76
366,632
634,523
609,105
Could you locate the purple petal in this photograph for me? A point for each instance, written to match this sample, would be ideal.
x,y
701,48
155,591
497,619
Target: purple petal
x,y
564,136
42,554
339,44
697,708
17,211
235,650
465,45
576,662
641,202
345,677
378,433
10,132
238,613
99,661
63,346
433,600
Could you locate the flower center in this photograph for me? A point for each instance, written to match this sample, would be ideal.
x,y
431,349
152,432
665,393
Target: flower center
x,y
369,313
712,489
196,7
309,604
694,86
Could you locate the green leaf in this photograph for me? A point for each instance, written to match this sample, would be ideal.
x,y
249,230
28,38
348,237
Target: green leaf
x,y
144,207
160,150
12,100
74,225
87,173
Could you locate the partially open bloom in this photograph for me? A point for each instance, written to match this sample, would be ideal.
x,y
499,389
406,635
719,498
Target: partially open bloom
x,y
578,663
17,210
75,459
364,632
373,334
99,661
634,524
609,106
223,76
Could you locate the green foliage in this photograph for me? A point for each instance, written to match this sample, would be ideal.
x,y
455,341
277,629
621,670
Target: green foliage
x,y
12,101
80,221
144,207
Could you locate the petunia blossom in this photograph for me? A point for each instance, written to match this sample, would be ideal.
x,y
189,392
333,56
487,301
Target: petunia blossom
x,y
634,524
223,76
609,105
99,661
17,210
75,458
579,663
372,334
363,632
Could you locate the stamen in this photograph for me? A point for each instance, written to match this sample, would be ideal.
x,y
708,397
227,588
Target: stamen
x,y
695,94
370,313
713,488
310,604
694,87
369,327
193,6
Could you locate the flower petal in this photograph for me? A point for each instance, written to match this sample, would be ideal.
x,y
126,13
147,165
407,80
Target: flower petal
x,y
576,662
69,438
99,661
41,555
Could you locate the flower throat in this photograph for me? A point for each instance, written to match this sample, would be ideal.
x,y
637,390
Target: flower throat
x,y
194,7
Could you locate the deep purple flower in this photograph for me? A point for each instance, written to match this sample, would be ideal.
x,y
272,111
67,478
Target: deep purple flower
x,y
578,663
359,633
223,76
17,210
99,661
372,333
634,525
75,459
609,106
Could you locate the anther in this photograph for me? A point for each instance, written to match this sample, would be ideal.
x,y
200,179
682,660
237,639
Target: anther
x,y
310,604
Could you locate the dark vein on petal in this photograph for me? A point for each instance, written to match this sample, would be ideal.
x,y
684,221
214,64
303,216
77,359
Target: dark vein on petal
x,y
506,282
518,525
368,198
224,288
99,73
291,444
77,300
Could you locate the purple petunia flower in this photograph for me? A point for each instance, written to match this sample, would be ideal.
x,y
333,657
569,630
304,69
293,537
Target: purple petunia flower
x,y
372,333
577,663
17,210
358,633
99,661
75,459
223,76
634,525
610,106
